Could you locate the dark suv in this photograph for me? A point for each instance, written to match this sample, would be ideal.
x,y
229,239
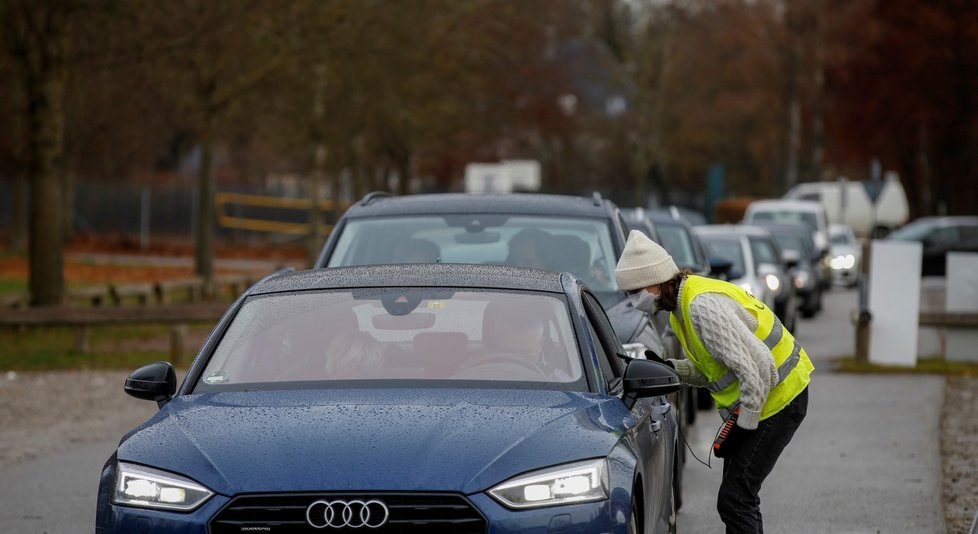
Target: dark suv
x,y
583,236
580,235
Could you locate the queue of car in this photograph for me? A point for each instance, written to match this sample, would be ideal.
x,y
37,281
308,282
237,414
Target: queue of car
x,y
449,366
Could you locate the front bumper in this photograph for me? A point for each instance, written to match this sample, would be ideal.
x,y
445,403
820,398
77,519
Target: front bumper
x,y
609,516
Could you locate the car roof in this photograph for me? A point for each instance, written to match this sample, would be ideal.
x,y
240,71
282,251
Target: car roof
x,y
945,220
659,217
415,275
782,228
516,203
733,229
772,204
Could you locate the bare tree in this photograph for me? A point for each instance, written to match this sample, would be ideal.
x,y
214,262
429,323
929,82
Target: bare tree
x,y
37,34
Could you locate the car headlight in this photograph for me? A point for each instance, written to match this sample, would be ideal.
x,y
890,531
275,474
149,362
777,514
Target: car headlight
x,y
145,487
772,282
801,279
566,484
846,261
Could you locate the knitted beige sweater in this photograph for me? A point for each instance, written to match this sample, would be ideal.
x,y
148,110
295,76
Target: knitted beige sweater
x,y
727,331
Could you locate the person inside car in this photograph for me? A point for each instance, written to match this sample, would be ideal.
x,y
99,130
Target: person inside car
x,y
519,329
530,247
352,354
416,250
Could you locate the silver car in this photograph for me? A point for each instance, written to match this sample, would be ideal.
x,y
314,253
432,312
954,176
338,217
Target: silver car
x,y
845,255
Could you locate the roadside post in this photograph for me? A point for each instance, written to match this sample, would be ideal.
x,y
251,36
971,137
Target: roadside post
x,y
862,317
894,302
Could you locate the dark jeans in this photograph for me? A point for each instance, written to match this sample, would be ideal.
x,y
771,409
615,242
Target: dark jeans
x,y
746,468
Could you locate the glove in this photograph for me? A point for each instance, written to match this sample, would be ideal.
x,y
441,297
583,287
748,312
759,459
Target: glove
x,y
651,355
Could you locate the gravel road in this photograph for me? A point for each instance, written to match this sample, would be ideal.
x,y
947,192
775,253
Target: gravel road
x,y
53,412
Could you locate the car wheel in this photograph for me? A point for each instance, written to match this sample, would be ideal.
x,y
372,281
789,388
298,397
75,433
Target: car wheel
x,y
690,406
635,524
811,304
704,401
673,515
677,484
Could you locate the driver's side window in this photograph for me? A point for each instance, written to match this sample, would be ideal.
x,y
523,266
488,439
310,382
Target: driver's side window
x,y
606,343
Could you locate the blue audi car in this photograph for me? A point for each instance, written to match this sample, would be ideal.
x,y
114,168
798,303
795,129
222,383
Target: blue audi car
x,y
403,398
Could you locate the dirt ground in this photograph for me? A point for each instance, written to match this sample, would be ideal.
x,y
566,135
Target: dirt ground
x,y
80,272
48,412
959,452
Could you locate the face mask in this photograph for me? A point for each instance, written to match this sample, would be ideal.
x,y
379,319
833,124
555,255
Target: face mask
x,y
643,300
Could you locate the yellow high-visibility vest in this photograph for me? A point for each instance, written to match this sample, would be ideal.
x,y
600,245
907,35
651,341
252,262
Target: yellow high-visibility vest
x,y
794,367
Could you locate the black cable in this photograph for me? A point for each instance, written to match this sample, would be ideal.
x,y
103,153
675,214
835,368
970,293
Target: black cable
x,y
689,448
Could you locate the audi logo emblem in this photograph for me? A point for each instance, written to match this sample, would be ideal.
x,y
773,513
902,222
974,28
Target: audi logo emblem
x,y
352,514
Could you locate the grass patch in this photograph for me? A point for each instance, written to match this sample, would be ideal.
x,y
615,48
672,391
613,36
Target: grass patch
x,y
931,365
12,286
111,347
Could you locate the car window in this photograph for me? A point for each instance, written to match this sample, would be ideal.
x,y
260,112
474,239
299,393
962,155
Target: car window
x,y
611,365
727,248
763,251
945,235
969,234
581,246
397,333
842,238
675,239
791,242
915,231
787,217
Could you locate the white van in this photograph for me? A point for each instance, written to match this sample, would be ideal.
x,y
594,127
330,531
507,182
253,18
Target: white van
x,y
846,202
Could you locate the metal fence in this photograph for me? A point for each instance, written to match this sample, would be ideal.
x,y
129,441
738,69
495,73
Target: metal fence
x,y
142,212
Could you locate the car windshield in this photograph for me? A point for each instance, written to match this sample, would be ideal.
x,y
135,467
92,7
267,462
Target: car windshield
x,y
728,248
791,242
581,246
787,217
842,238
463,337
676,241
763,252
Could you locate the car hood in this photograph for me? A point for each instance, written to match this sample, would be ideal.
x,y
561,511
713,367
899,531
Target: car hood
x,y
460,440
842,250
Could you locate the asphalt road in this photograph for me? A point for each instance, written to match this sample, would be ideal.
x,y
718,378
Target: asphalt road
x,y
866,459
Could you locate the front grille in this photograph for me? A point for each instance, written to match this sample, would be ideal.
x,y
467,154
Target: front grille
x,y
429,513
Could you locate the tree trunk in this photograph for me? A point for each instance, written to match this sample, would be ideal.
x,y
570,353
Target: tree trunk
x,y
315,215
204,250
403,163
45,76
21,209
68,210
818,95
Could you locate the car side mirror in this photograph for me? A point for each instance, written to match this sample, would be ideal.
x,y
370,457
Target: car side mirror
x,y
720,265
646,378
156,382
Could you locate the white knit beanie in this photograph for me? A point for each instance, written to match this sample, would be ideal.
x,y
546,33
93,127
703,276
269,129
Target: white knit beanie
x,y
643,263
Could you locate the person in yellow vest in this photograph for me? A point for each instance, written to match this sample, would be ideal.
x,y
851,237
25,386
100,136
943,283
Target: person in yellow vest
x,y
737,348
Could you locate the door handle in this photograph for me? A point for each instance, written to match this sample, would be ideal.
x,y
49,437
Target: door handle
x,y
655,424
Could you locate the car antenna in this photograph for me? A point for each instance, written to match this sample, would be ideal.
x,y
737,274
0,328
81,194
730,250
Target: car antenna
x,y
596,198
